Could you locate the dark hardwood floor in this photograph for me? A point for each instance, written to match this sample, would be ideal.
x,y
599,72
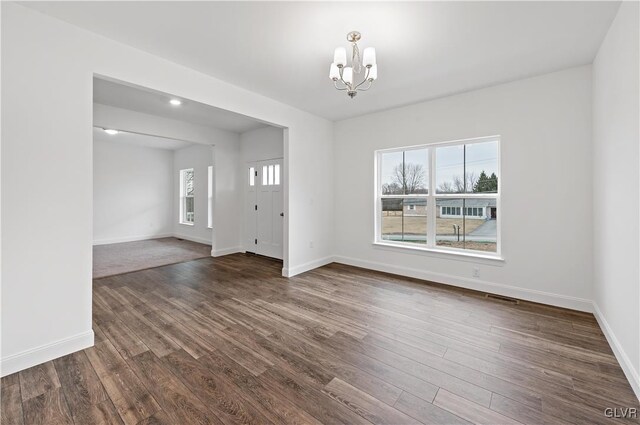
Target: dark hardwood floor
x,y
228,340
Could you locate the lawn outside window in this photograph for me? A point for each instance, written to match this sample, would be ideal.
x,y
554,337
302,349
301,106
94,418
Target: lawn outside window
x,y
442,197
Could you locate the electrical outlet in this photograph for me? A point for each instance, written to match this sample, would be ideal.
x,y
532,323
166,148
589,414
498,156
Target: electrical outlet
x,y
476,272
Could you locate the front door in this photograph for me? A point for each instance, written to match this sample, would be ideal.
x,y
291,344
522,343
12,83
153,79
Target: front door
x,y
265,208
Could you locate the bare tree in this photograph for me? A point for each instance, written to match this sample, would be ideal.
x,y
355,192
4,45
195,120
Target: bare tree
x,y
457,185
445,187
392,189
410,177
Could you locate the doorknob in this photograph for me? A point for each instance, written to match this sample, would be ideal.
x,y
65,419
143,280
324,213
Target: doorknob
x,y
281,214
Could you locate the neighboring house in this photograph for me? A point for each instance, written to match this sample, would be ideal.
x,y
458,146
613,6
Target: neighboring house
x,y
481,209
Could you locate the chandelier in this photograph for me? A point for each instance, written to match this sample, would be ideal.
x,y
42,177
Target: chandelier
x,y
351,78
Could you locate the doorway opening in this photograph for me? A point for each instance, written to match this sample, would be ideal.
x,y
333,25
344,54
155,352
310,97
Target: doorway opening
x,y
170,180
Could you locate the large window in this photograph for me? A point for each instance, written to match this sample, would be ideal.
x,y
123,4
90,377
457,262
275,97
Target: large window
x,y
442,196
187,214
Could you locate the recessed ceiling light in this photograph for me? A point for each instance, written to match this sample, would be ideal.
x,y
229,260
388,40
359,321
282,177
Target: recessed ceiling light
x,y
175,102
110,131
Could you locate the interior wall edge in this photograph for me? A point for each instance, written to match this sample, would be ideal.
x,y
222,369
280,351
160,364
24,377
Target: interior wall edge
x,y
131,239
226,251
305,267
625,362
192,238
44,353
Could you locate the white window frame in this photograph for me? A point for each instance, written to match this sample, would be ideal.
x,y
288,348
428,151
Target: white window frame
x,y
431,246
210,197
183,197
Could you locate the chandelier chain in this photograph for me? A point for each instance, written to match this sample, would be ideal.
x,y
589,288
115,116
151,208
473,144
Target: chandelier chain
x,y
356,62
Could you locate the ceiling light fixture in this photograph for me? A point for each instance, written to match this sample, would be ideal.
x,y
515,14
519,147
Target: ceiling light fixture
x,y
175,102
346,77
110,131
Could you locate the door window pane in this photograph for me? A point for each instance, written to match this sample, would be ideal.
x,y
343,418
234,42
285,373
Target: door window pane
x,y
252,176
277,177
264,175
270,175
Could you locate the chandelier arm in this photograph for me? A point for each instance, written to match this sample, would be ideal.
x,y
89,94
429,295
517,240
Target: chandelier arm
x,y
335,84
368,87
366,78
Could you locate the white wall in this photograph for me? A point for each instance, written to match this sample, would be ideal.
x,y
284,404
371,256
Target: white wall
x,y
545,125
198,157
47,72
262,143
616,210
132,192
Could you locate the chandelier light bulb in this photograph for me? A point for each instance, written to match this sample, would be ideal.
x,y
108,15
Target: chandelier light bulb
x,y
347,75
334,72
369,57
340,56
373,73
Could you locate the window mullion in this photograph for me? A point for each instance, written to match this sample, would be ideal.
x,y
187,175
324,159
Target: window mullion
x,y
431,200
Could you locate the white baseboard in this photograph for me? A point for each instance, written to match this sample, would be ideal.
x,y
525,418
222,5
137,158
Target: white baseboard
x,y
45,353
627,367
475,284
292,271
131,239
226,251
193,239
149,237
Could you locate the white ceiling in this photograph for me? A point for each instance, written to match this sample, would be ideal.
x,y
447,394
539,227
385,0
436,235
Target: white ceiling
x,y
283,49
157,103
136,139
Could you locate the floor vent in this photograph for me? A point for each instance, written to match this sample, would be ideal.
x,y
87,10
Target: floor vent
x,y
501,298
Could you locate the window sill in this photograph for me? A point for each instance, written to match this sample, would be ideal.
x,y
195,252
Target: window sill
x,y
187,224
443,253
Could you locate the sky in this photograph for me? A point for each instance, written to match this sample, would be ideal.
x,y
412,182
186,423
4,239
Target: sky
x,y
449,161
